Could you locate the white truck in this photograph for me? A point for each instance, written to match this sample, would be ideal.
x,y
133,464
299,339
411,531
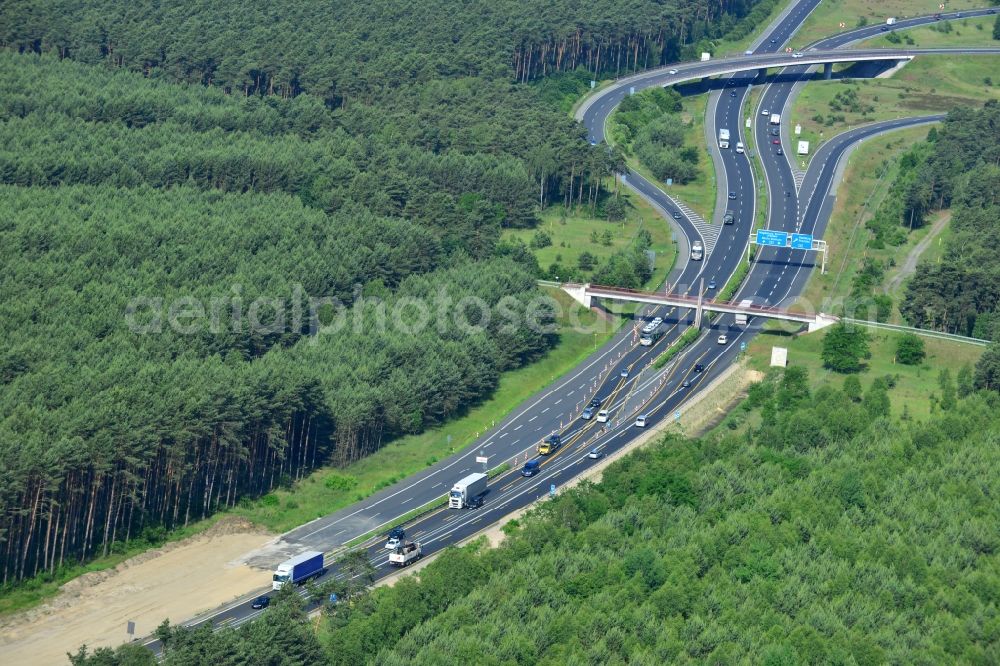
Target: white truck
x,y
741,317
891,20
298,569
775,118
405,554
468,492
723,138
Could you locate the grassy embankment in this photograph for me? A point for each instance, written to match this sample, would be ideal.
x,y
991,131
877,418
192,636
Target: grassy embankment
x,y
571,234
870,172
825,20
929,84
913,384
975,31
699,194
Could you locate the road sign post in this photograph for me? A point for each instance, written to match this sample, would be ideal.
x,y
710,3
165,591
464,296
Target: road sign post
x,y
130,630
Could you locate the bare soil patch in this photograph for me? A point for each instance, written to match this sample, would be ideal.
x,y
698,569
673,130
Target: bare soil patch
x,y
178,581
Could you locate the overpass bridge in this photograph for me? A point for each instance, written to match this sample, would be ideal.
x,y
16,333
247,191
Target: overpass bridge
x,y
586,293
680,73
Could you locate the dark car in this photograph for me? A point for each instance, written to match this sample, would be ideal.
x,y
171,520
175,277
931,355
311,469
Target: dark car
x,y
676,215
774,41
595,403
774,131
732,93
732,195
531,468
698,367
260,602
884,29
711,284
728,218
780,151
588,414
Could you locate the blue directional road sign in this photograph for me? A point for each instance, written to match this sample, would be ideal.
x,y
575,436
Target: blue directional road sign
x,y
775,238
677,416
743,346
552,489
802,241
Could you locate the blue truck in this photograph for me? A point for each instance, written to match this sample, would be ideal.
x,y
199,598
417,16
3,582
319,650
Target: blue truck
x,y
298,569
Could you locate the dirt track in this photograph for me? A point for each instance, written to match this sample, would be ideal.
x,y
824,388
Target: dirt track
x,y
175,582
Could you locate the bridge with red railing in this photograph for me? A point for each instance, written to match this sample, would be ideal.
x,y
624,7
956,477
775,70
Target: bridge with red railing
x,y
586,293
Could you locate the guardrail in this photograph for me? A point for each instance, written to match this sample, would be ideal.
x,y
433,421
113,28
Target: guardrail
x,y
954,337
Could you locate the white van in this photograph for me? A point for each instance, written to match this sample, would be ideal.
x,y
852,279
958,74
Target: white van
x,y
739,146
697,251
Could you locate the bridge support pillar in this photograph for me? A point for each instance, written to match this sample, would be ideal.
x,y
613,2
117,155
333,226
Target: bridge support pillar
x,y
699,310
828,71
762,72
580,293
822,321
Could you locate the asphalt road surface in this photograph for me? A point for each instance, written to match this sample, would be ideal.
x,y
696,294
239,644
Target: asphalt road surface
x,y
619,374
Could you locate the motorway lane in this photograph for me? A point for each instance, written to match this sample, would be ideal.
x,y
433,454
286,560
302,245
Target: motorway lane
x,y
594,112
510,492
540,417
555,409
768,282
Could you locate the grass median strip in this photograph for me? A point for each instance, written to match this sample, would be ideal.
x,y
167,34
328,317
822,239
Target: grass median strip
x,y
687,337
407,517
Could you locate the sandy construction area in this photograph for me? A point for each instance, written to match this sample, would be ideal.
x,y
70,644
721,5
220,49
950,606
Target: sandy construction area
x,y
177,582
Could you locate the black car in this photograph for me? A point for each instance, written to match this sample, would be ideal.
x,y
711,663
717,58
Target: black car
x,y
732,195
698,367
595,403
397,533
677,215
780,151
260,602
774,131
732,93
728,218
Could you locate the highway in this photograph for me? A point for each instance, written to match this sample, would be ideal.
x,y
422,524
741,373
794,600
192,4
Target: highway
x,y
620,372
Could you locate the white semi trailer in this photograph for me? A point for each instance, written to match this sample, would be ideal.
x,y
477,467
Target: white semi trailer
x,y
468,492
